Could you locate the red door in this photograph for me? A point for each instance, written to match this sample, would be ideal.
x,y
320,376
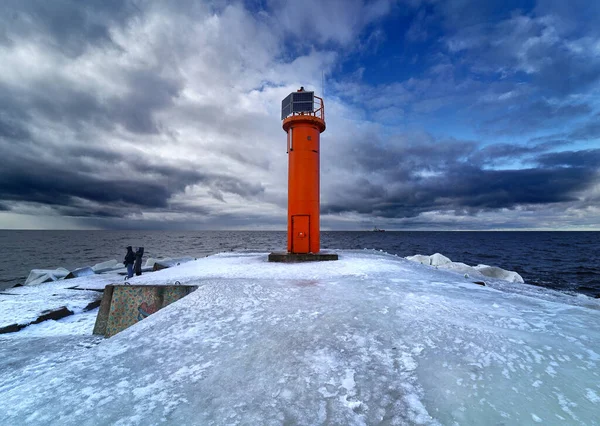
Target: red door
x,y
300,227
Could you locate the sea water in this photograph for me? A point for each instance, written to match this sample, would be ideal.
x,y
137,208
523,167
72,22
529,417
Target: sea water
x,y
566,261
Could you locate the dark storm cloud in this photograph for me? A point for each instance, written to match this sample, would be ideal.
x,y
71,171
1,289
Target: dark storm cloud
x,y
471,191
62,102
587,159
418,182
405,158
531,116
222,220
57,101
148,92
493,189
29,180
82,211
496,153
587,131
590,130
76,188
68,29
12,130
70,26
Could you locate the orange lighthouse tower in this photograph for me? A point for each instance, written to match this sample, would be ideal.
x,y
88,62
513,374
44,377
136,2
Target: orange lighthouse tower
x,y
303,116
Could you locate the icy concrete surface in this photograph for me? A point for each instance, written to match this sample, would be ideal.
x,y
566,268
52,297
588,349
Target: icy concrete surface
x,y
369,339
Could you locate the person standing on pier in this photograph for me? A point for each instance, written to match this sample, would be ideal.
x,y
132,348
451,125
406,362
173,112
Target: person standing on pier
x,y
128,262
138,260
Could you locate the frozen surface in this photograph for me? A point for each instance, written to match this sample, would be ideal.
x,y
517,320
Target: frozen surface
x,y
480,271
369,339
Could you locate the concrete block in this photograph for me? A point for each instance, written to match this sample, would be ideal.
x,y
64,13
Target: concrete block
x,y
124,305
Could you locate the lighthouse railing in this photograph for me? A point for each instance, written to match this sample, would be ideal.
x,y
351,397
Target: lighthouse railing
x,y
319,108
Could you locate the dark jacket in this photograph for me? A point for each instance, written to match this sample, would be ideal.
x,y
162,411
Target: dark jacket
x,y
129,257
138,260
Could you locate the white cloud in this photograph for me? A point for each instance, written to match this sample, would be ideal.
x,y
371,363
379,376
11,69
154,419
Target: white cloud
x,y
337,21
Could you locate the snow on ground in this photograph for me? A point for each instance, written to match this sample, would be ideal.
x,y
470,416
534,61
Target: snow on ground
x,y
22,305
369,339
80,323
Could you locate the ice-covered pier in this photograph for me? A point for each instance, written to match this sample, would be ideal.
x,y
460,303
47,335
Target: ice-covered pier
x,y
369,339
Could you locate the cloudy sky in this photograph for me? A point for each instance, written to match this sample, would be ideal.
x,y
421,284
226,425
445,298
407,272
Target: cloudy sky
x,y
166,115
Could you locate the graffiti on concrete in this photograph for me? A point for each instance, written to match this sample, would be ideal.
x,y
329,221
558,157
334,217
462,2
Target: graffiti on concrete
x,y
146,310
125,305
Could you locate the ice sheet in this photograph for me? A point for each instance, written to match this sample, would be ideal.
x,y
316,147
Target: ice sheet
x,y
369,339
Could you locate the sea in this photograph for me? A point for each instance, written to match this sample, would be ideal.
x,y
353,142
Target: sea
x,y
564,261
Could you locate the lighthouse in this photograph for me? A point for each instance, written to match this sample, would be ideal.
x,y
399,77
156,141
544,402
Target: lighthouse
x,y
303,116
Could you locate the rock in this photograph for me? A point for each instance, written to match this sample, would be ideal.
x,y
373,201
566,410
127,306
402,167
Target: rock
x,y
158,267
166,262
92,305
13,328
80,272
54,314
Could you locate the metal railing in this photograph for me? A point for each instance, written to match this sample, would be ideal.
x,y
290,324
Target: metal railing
x,y
320,108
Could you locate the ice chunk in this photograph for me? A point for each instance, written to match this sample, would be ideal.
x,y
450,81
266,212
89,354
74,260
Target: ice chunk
x,y
499,273
108,266
151,261
419,258
442,261
39,276
461,268
438,260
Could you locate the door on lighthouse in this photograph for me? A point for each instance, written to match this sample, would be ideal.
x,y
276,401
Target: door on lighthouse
x,y
300,228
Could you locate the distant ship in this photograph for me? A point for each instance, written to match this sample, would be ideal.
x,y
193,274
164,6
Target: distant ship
x,y
376,229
